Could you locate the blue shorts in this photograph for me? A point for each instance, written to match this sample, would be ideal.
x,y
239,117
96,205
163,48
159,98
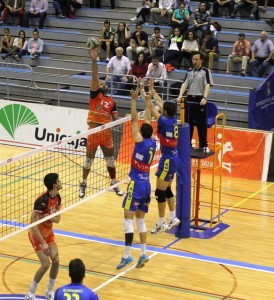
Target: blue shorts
x,y
138,196
167,168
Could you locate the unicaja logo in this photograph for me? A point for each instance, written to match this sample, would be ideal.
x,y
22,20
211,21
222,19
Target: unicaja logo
x,y
15,115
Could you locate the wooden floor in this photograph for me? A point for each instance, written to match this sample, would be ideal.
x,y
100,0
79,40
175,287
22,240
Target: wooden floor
x,y
238,263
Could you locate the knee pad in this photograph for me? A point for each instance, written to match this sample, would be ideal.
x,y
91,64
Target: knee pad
x,y
128,226
160,196
169,193
141,225
88,162
110,161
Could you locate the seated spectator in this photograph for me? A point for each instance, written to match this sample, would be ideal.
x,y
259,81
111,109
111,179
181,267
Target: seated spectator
x,y
106,40
186,3
35,45
6,41
174,50
210,49
223,3
72,7
13,8
262,52
180,18
122,36
156,44
19,47
138,42
246,5
164,11
60,7
144,11
139,67
201,20
190,45
120,66
240,54
38,9
215,27
157,70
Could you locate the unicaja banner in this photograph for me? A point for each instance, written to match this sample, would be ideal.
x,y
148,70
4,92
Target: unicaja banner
x,y
261,105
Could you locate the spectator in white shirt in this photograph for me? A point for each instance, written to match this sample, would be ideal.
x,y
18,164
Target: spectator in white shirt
x,y
157,70
165,10
35,45
38,9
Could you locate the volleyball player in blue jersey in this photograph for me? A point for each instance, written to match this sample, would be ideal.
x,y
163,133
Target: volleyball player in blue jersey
x,y
137,199
76,289
168,164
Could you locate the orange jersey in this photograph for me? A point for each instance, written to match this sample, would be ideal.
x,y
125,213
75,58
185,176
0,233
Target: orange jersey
x,y
101,108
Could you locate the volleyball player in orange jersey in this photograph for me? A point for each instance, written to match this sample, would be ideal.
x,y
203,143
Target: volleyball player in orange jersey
x,y
41,236
102,110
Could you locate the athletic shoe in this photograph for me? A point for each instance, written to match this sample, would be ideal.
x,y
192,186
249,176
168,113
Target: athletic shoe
x,y
30,296
16,57
142,261
124,262
107,60
159,228
171,223
133,19
82,190
242,73
49,295
116,189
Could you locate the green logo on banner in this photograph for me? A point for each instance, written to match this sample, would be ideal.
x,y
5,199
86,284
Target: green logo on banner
x,y
15,115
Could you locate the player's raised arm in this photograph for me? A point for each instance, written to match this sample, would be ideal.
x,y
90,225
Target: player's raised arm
x,y
154,94
134,117
94,84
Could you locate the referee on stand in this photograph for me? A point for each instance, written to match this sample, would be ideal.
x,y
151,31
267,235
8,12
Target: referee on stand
x,y
197,83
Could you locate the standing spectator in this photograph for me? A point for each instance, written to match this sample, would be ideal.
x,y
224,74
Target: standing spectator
x,y
122,36
180,18
197,83
35,45
139,67
222,3
138,42
6,41
210,49
119,65
13,8
76,289
19,47
42,237
240,54
246,5
156,44
165,10
144,11
137,199
201,19
106,40
261,55
60,8
38,9
157,71
190,45
72,7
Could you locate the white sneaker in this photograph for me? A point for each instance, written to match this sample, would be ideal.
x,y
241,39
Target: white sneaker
x,y
159,228
30,296
82,189
133,19
49,295
116,189
171,223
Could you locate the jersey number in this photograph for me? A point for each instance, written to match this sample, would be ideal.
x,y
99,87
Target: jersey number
x,y
176,132
150,156
71,297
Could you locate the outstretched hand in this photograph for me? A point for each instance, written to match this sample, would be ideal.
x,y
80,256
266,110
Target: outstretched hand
x,y
93,53
134,94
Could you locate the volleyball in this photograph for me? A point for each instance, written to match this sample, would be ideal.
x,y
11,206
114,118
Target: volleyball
x,y
92,43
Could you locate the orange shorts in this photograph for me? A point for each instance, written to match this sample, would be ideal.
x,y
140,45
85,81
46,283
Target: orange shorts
x,y
103,138
36,243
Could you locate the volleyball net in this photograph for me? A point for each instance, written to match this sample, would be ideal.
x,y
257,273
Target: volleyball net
x,y
21,177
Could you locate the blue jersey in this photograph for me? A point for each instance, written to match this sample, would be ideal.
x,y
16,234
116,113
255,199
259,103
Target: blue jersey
x,y
75,291
142,157
168,136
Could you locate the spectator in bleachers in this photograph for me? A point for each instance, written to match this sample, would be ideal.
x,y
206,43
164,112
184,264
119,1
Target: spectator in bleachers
x,y
38,9
201,20
156,44
122,36
240,54
173,54
139,67
13,8
190,45
6,41
223,3
180,18
186,3
210,49
138,42
19,47
262,52
35,45
145,10
164,11
215,27
60,8
2,7
72,7
106,40
157,70
120,66
246,5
